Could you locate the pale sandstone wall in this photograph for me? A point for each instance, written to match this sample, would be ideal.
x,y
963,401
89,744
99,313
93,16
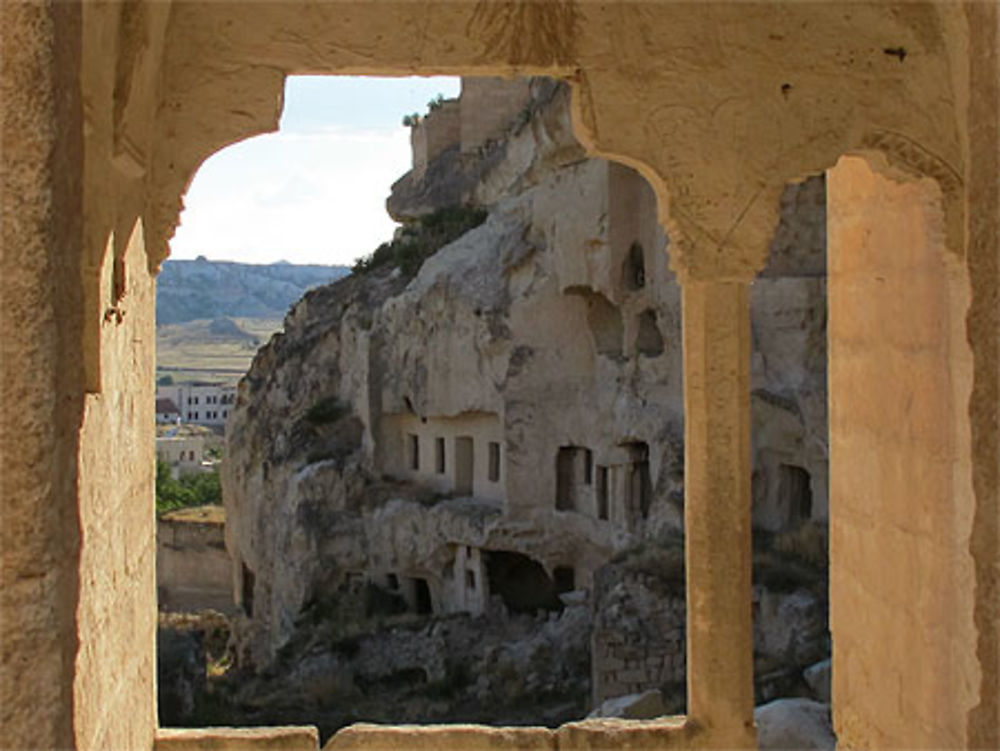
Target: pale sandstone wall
x,y
489,105
193,570
41,391
481,427
901,607
117,611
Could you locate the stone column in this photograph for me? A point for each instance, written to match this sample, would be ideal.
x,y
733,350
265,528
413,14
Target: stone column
x,y
41,385
717,511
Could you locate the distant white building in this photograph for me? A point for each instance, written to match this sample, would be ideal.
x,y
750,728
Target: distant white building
x,y
167,411
200,403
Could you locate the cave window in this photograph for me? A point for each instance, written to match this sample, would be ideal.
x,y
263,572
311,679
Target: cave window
x,y
588,466
464,465
634,272
392,581
422,596
602,492
521,582
494,472
470,579
638,483
439,454
566,478
648,340
249,580
414,450
796,493
564,578
265,470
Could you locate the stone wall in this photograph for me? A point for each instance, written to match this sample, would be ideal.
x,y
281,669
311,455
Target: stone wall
x,y
464,466
438,130
638,640
489,105
193,570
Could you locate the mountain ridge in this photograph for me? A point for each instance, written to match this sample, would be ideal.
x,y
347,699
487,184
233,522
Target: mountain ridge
x,y
188,290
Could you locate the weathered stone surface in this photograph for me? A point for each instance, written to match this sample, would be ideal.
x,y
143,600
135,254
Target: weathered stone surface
x,y
237,739
645,706
818,678
456,350
794,724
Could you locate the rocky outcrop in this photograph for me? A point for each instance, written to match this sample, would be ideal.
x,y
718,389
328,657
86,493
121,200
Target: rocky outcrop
x,y
485,432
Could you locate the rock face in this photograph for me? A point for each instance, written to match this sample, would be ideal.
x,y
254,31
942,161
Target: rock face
x,y
425,435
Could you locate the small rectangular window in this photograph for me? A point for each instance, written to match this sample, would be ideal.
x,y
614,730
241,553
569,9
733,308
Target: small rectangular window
x,y
439,455
414,449
602,492
494,473
588,466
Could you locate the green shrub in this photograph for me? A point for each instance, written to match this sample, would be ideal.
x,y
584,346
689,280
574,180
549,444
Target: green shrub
x,y
194,489
421,239
326,411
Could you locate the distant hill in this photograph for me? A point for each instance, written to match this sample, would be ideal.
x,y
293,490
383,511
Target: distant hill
x,y
203,289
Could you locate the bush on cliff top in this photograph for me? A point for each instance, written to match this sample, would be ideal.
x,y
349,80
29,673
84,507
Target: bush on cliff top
x,y
421,239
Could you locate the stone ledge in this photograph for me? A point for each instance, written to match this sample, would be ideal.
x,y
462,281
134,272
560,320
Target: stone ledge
x,y
598,734
441,737
288,738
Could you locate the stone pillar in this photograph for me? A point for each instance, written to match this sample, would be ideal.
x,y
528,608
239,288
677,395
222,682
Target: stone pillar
x,y
41,393
717,511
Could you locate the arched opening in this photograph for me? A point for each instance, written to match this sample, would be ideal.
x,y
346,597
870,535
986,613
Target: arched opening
x,y
521,582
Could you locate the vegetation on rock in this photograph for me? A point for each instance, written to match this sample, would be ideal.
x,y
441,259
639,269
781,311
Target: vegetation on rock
x,y
421,239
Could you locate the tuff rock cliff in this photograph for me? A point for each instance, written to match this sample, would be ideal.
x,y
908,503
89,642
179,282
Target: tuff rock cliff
x,y
475,430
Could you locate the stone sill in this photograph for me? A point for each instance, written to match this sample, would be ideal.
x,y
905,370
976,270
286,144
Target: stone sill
x,y
664,733
291,738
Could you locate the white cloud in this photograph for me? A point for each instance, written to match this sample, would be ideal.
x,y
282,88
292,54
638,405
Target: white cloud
x,y
315,197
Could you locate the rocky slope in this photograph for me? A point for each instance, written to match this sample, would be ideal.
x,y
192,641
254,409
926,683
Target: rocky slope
x,y
544,347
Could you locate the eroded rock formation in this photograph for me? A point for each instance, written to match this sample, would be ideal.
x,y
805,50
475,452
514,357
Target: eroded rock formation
x,y
425,435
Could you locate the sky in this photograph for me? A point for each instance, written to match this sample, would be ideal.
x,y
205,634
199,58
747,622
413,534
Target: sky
x,y
314,192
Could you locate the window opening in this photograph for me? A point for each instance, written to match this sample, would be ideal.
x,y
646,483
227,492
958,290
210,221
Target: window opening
x,y
414,451
602,492
564,579
464,465
795,492
439,454
494,470
521,582
634,272
648,340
